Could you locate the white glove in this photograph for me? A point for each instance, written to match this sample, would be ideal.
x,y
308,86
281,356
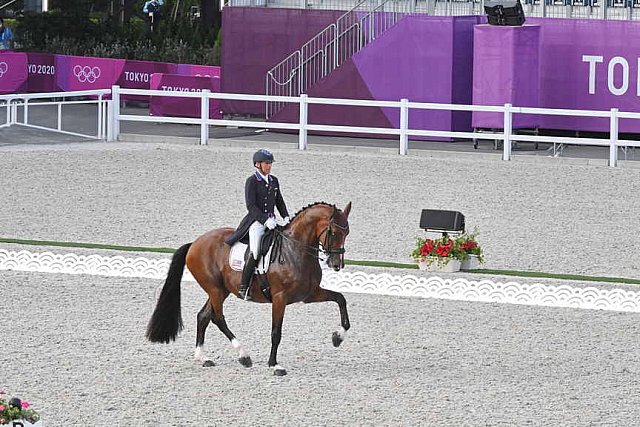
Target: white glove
x,y
270,223
286,220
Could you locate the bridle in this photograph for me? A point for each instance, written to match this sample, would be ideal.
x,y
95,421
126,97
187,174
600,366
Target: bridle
x,y
324,247
329,235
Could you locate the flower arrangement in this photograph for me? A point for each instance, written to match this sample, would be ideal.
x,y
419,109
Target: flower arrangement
x,y
16,409
445,249
469,244
440,251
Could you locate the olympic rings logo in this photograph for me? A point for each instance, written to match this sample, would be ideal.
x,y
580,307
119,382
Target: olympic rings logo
x,y
86,74
3,68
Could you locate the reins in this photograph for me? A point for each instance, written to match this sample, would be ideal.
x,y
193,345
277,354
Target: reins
x,y
323,247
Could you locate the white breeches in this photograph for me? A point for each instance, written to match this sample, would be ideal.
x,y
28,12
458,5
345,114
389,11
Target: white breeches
x,y
256,231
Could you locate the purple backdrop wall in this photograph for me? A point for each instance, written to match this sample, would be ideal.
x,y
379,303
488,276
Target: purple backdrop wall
x,y
583,64
506,70
255,39
402,63
575,51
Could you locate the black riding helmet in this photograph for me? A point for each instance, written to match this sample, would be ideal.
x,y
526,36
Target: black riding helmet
x,y
262,155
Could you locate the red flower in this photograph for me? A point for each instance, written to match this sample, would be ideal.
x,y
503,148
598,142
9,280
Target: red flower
x,y
443,251
469,245
426,249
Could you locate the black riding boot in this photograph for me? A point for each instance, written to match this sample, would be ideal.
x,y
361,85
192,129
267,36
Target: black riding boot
x,y
247,275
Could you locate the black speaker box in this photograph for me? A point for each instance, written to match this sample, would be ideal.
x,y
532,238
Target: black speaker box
x,y
436,220
504,12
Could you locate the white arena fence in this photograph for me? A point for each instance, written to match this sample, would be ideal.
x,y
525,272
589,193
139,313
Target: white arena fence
x,y
408,285
15,104
109,123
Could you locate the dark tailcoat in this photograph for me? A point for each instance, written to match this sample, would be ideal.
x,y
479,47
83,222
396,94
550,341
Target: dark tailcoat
x,y
261,198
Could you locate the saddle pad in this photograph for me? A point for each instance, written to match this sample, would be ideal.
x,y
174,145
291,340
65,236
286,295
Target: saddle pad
x,y
236,258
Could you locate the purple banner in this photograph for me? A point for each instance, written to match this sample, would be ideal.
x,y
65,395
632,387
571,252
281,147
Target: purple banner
x,y
87,73
505,70
183,107
589,65
42,72
199,70
137,75
13,72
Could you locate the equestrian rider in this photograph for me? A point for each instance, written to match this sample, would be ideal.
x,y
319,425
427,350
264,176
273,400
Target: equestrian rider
x,y
262,194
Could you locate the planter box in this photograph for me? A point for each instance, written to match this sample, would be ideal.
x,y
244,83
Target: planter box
x,y
22,423
432,265
470,263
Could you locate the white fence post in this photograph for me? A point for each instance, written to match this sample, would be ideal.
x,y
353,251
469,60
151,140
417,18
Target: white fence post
x,y
59,117
100,117
8,105
115,99
204,116
613,138
304,120
14,112
25,116
404,125
508,121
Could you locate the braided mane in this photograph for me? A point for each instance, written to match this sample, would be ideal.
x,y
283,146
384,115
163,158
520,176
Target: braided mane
x,y
312,205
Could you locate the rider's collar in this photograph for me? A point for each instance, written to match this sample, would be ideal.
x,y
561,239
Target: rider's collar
x,y
262,177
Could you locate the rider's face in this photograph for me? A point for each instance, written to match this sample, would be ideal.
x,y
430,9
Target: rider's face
x,y
265,167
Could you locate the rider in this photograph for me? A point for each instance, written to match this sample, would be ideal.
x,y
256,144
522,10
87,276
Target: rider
x,y
262,194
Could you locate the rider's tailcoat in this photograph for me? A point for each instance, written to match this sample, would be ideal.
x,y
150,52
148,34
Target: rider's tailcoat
x,y
261,198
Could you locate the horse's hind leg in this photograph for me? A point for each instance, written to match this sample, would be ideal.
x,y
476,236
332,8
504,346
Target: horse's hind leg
x,y
221,323
204,317
321,295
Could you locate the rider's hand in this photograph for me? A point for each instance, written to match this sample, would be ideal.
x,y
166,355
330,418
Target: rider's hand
x,y
270,223
286,220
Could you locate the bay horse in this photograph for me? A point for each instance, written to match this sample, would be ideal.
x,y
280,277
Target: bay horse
x,y
294,276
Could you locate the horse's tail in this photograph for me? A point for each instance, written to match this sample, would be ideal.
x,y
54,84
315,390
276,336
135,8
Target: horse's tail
x,y
166,321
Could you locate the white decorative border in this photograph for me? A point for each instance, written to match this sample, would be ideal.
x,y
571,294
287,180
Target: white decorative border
x,y
460,289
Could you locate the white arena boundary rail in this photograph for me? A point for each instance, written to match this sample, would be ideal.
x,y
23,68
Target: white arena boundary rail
x,y
15,104
109,118
403,132
459,289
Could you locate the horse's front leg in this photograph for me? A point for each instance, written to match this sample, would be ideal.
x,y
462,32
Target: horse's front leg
x,y
277,315
321,295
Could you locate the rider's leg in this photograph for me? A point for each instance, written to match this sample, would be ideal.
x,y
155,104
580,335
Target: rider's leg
x,y
255,237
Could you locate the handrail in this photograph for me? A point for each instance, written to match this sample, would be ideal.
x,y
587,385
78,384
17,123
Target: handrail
x,y
24,101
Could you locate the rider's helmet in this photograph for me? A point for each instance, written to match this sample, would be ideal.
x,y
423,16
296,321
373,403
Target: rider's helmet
x,y
262,155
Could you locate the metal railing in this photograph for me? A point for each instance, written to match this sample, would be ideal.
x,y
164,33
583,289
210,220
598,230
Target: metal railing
x,y
331,47
403,132
586,9
18,106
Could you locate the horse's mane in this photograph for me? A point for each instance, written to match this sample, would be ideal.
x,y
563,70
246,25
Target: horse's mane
x,y
312,205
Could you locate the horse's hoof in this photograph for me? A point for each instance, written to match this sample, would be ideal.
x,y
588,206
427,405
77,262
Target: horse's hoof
x,y
245,361
279,372
337,339
208,363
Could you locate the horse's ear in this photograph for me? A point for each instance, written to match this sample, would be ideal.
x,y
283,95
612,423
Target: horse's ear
x,y
347,209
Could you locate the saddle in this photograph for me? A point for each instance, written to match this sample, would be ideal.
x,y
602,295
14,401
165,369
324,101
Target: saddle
x,y
240,252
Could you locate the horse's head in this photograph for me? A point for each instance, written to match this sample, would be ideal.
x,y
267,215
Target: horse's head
x,y
333,233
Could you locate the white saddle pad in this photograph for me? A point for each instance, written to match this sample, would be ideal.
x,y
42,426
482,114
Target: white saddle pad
x,y
236,258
